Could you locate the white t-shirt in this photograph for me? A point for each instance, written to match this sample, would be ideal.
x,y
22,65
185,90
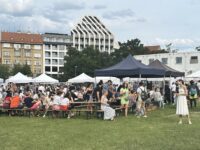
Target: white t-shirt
x,y
56,100
64,101
139,91
41,88
173,88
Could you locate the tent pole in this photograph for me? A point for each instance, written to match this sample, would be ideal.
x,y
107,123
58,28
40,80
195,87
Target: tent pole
x,y
164,86
139,77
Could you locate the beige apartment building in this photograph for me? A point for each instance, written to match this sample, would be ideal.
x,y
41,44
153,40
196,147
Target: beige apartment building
x,y
22,48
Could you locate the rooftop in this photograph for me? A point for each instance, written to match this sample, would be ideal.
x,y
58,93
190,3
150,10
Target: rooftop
x,y
23,38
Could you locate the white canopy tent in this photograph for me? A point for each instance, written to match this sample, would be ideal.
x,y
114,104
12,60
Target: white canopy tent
x,y
105,79
43,78
1,80
19,78
81,79
194,75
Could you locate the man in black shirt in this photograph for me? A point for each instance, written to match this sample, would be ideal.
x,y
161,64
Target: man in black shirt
x,y
28,101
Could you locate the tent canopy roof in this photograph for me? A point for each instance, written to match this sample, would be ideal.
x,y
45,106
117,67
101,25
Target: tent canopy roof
x,y
194,75
81,79
43,78
19,78
130,67
168,70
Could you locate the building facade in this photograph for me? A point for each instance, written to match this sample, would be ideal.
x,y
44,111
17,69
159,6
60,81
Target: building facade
x,y
90,31
187,62
55,48
22,48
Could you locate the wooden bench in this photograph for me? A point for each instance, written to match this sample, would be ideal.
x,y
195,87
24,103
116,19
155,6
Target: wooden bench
x,y
10,110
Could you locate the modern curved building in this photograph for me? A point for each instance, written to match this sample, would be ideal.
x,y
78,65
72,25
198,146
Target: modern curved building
x,y
90,31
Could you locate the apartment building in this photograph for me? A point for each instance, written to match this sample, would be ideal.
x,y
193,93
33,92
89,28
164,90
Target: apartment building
x,y
22,48
90,31
55,48
188,62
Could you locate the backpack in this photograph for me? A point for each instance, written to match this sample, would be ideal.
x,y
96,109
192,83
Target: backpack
x,y
193,91
144,95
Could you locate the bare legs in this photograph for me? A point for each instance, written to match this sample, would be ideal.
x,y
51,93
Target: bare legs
x,y
181,117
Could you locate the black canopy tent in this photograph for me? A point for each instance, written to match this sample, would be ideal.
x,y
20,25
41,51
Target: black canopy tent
x,y
169,72
130,67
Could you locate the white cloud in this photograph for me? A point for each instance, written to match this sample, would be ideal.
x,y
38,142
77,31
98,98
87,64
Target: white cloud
x,y
16,7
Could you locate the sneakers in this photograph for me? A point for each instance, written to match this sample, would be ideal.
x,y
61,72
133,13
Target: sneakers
x,y
145,116
189,122
180,122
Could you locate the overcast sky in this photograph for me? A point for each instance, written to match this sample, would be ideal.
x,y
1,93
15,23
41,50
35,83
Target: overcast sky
x,y
152,21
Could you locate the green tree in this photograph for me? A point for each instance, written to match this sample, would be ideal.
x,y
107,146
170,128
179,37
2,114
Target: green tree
x,y
16,68
87,60
5,71
24,69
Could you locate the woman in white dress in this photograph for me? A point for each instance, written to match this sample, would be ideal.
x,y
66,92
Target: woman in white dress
x,y
109,113
182,107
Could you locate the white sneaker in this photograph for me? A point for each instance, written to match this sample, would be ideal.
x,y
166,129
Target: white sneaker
x,y
180,122
145,116
44,116
190,122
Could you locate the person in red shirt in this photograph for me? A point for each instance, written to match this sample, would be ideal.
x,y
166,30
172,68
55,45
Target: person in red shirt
x,y
15,102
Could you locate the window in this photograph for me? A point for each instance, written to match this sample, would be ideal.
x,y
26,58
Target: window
x,y
37,55
37,47
7,45
28,62
47,61
61,62
54,69
67,40
37,63
194,60
151,60
6,54
47,54
54,47
165,61
61,55
54,61
47,69
27,46
17,53
17,62
27,54
47,47
61,47
178,60
54,54
17,46
6,61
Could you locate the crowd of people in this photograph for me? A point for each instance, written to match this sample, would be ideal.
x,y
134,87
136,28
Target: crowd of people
x,y
135,95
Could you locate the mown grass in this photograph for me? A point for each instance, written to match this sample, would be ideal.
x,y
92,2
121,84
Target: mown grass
x,y
159,131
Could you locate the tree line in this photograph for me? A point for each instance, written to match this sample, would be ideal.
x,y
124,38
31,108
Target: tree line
x,y
89,59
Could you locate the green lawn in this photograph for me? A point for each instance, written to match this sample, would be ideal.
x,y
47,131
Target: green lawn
x,y
159,131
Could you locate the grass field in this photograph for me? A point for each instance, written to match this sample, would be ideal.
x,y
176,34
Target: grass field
x,y
159,131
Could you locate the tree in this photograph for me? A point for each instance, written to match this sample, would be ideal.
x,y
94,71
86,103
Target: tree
x,y
5,72
87,60
24,69
16,68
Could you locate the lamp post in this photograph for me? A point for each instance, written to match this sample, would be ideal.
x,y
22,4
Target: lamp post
x,y
75,67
